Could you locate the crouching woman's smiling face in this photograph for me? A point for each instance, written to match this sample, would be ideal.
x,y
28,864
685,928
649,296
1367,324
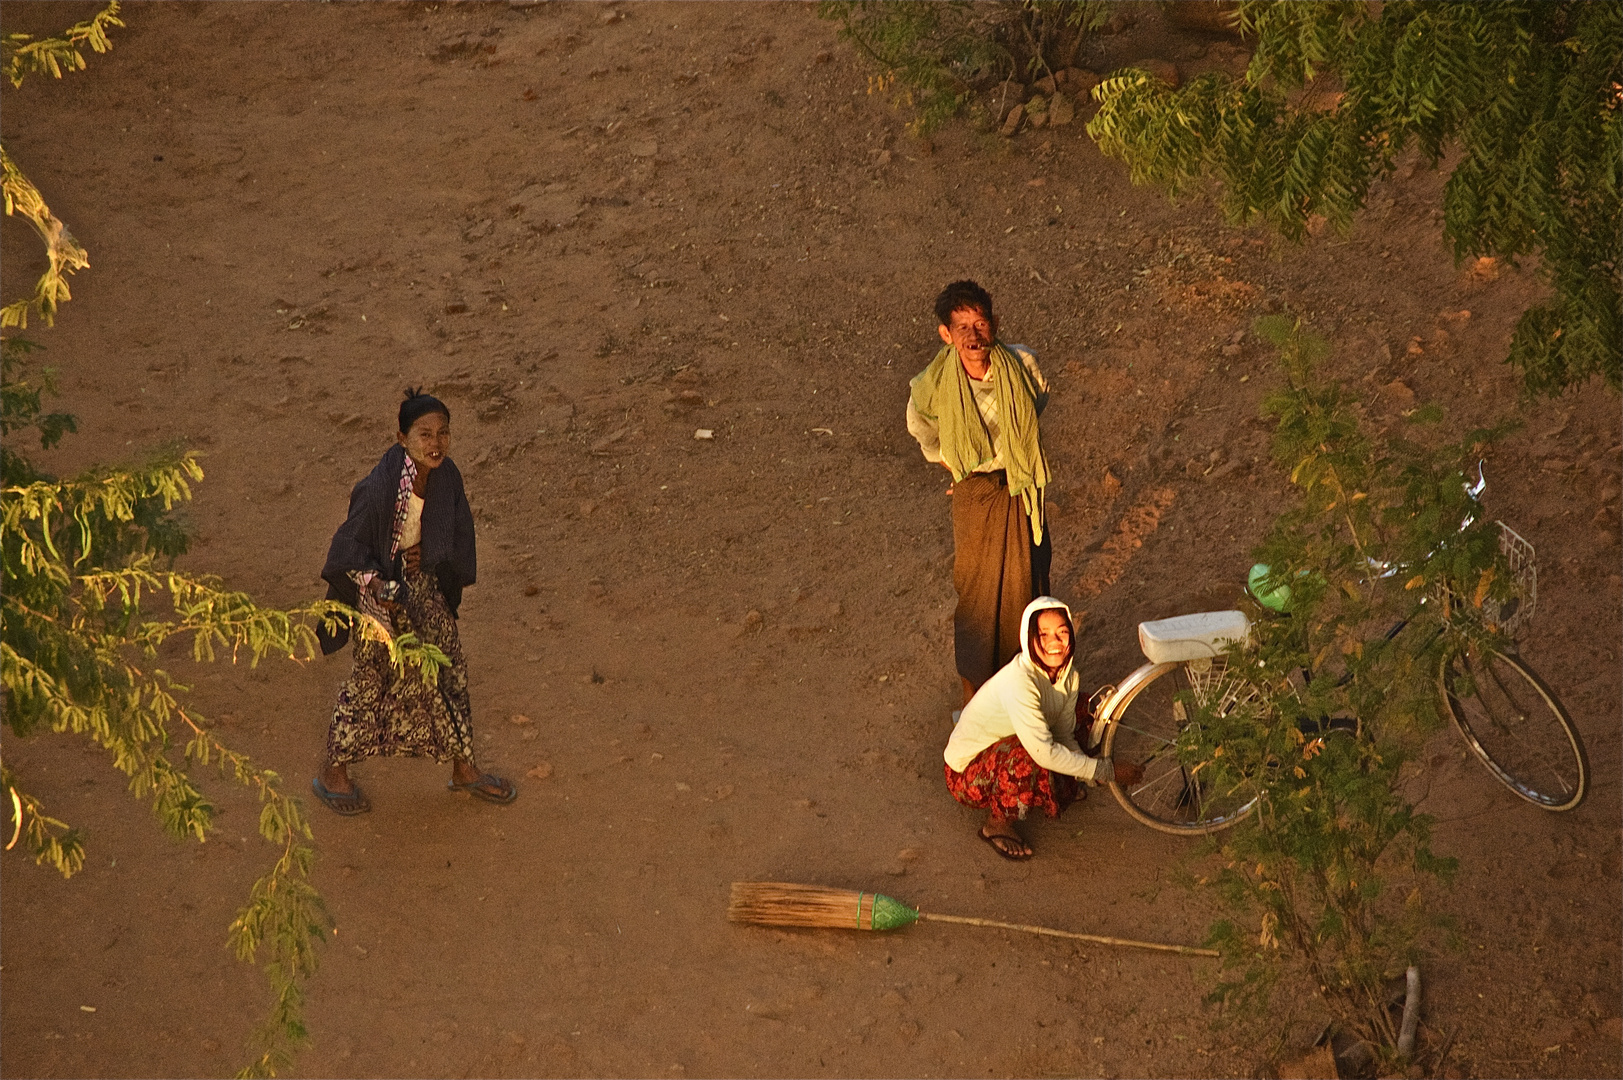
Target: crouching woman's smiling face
x,y
1052,641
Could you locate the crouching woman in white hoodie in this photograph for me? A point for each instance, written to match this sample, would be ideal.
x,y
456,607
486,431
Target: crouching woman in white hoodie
x,y
1015,746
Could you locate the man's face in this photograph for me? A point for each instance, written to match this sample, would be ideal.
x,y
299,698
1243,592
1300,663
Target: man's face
x,y
972,332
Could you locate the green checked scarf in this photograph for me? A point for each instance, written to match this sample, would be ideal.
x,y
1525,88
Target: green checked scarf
x,y
943,396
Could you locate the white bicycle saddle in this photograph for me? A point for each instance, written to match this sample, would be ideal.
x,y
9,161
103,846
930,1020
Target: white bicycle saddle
x,y
1192,637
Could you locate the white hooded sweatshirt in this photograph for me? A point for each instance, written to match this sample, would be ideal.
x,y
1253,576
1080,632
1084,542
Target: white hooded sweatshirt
x,y
1019,700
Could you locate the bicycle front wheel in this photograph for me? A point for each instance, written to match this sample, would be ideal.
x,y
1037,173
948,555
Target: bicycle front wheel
x,y
1517,726
1147,717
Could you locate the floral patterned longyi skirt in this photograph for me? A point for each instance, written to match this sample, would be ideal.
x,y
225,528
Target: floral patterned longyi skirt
x,y
1005,780
382,712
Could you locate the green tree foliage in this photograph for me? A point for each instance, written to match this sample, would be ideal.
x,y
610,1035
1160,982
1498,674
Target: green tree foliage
x,y
942,53
79,654
20,56
1330,875
23,54
1523,96
63,255
91,598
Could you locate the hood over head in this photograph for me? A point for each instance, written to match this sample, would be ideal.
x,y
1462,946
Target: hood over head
x,y
1044,603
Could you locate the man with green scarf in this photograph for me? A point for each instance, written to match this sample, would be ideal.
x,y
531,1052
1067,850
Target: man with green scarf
x,y
974,411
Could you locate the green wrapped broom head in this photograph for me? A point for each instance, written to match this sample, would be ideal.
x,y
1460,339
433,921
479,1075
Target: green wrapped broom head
x,y
888,914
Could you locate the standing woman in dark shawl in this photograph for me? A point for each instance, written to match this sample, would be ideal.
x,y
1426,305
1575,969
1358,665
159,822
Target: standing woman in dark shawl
x,y
403,556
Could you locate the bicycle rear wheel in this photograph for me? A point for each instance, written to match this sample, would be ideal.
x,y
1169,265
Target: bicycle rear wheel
x,y
1517,726
1146,720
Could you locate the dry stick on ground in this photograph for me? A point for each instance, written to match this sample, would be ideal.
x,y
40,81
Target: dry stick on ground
x,y
781,903
1442,1055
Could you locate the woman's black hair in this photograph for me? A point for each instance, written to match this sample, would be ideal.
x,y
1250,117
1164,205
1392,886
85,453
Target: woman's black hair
x,y
418,405
1031,631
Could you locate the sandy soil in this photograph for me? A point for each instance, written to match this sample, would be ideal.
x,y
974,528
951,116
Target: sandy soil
x,y
595,229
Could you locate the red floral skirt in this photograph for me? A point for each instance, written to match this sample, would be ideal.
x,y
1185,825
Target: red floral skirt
x,y
1005,780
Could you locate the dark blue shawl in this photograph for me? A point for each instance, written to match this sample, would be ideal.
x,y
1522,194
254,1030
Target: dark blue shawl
x,y
362,542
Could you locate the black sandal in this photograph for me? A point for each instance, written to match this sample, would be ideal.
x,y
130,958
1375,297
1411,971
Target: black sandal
x,y
1013,856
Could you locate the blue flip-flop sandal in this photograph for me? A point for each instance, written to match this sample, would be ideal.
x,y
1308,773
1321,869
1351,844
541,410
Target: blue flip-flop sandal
x,y
480,789
348,803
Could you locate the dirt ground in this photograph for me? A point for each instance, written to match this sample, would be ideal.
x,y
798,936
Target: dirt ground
x,y
595,229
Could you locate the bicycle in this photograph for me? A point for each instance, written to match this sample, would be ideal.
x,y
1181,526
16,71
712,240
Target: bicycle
x,y
1509,717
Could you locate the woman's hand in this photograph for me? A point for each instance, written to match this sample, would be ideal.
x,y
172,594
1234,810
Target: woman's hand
x,y
412,557
1127,774
377,588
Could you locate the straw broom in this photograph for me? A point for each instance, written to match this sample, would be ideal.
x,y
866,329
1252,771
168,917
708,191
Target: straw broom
x,y
780,903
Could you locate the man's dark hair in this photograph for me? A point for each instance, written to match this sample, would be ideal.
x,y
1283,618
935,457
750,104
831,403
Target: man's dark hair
x,y
960,295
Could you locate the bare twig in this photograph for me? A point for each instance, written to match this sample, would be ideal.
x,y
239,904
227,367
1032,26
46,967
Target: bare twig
x,y
1442,1055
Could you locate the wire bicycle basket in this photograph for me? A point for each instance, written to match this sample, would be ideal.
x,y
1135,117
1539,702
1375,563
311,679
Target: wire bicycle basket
x,y
1214,687
1519,554
1509,615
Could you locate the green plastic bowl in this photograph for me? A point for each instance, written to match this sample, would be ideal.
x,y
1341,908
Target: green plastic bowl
x,y
1276,599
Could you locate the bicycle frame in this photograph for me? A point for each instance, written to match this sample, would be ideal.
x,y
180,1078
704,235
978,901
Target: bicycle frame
x,y
1105,713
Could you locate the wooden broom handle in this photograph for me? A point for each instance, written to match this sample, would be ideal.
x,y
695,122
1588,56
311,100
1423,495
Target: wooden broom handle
x,y
1183,950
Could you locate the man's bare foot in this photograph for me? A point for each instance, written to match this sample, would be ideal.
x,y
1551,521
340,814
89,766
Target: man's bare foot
x,y
1004,839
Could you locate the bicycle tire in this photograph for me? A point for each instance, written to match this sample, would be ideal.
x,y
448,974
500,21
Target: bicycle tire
x,y
1517,727
1145,718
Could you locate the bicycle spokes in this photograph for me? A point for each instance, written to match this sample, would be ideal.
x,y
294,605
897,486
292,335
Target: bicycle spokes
x,y
1517,727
